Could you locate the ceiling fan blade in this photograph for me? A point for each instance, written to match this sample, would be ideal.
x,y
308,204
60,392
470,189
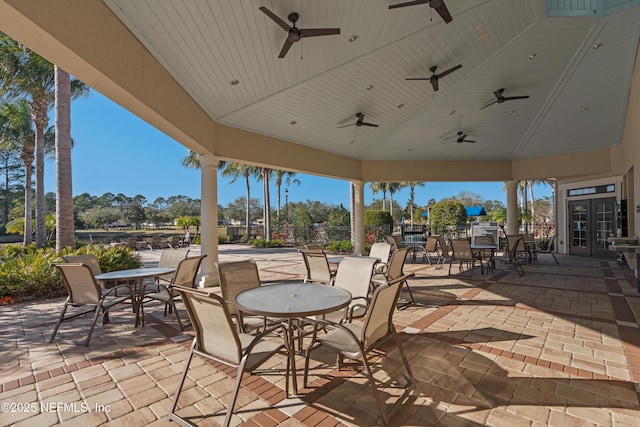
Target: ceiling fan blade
x,y
468,140
285,48
488,105
409,3
369,124
344,126
275,18
435,84
442,10
418,78
510,98
315,32
449,71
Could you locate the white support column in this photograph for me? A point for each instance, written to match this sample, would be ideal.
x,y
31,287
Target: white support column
x,y
512,207
358,207
209,218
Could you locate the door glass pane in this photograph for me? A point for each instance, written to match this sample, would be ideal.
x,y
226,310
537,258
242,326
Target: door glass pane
x,y
605,217
579,225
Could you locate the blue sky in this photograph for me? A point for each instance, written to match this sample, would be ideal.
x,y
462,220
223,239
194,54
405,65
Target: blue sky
x,y
117,152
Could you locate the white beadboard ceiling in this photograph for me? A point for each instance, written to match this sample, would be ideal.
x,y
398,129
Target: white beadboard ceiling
x,y
578,94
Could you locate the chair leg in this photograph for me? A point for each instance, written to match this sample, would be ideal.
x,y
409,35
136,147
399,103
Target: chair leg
x,y
234,393
60,319
554,258
93,324
406,283
172,413
175,310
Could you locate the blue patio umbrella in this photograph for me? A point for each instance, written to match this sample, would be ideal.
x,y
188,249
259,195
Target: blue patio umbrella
x,y
425,214
475,210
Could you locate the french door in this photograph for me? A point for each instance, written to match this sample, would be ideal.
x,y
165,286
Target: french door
x,y
591,223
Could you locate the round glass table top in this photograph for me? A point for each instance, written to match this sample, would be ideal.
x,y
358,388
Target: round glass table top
x,y
135,273
292,299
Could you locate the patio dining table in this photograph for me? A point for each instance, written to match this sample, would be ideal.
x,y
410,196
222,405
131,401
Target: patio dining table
x,y
292,301
482,249
133,278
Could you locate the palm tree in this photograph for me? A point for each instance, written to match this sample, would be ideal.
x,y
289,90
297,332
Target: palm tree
x,y
64,195
380,186
16,133
23,73
412,193
235,171
393,187
263,174
289,179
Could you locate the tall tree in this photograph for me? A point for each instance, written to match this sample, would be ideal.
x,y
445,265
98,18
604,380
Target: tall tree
x,y
235,171
264,175
412,194
381,187
393,187
16,133
65,236
23,73
289,178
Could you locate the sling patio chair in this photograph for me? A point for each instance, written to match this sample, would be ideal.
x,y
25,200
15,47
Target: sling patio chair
x,y
86,294
217,338
318,270
513,255
158,243
433,249
175,241
396,265
357,341
382,251
516,247
462,253
235,277
170,259
549,250
185,276
91,261
354,274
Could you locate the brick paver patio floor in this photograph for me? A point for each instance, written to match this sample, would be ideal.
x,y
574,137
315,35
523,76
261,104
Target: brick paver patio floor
x,y
559,346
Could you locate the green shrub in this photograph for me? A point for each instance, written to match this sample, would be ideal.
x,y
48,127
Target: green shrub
x,y
378,224
223,239
340,246
27,271
448,212
263,243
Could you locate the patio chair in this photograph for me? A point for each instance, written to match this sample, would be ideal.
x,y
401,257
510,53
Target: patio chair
x,y
354,274
550,249
382,251
235,277
91,261
396,265
463,253
357,341
216,338
314,247
318,270
445,250
158,243
174,242
185,276
86,293
513,255
520,250
170,259
186,240
392,241
432,249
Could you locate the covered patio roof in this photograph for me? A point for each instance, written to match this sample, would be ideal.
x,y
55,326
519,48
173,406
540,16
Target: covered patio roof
x,y
207,74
